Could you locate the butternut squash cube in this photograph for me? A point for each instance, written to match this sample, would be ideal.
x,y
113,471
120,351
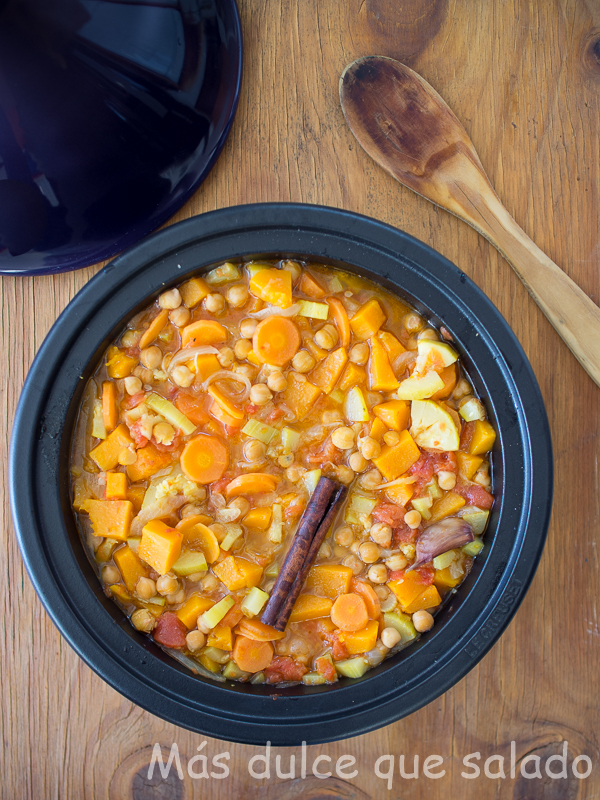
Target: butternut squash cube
x,y
309,606
408,588
300,395
468,465
444,580
447,505
400,494
367,320
361,641
395,414
119,364
205,365
194,291
116,486
273,286
221,637
397,459
192,608
392,344
353,376
252,572
330,580
110,518
136,495
328,372
230,573
160,546
148,461
483,438
379,370
427,599
130,567
106,454
259,518
378,428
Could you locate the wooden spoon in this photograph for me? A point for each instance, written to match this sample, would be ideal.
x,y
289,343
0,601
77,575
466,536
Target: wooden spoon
x,y
406,127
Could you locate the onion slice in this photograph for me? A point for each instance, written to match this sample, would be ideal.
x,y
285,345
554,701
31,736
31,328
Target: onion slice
x,y
190,354
159,510
440,537
275,311
227,375
404,481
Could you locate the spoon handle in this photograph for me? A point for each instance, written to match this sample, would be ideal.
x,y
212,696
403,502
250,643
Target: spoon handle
x,y
575,317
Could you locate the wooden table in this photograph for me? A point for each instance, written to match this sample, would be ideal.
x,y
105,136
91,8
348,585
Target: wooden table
x,y
524,78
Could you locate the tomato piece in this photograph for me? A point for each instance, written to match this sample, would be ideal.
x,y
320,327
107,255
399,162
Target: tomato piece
x,y
326,669
475,495
402,534
389,513
170,630
284,668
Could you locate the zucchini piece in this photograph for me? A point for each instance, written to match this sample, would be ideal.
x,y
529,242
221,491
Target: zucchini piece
x,y
223,274
214,615
189,562
352,667
234,673
313,310
402,623
473,548
313,679
173,415
254,601
258,430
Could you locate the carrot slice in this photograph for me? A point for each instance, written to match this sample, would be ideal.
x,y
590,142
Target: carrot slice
x,y
276,341
310,286
367,593
250,655
204,459
252,483
349,612
254,629
110,413
224,417
155,327
450,376
203,331
340,319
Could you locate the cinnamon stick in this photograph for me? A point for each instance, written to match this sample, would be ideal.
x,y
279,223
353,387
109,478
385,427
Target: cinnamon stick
x,y
311,519
318,538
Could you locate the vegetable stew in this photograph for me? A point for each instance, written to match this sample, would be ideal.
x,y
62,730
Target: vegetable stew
x,y
205,431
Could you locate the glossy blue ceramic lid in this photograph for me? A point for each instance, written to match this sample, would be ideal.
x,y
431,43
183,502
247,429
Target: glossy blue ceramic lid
x,y
111,115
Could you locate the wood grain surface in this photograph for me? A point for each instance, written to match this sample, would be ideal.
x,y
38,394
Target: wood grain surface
x,y
523,76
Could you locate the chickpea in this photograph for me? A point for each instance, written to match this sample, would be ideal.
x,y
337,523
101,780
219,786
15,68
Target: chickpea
x,y
133,385
151,357
482,477
225,357
344,536
324,552
176,598
413,323
110,574
381,591
254,450
195,640
202,626
214,303
412,519
369,552
167,584
293,267
344,474
354,547
303,361
422,620
390,637
357,462
145,588
381,534
182,376
260,393
127,456
285,461
391,438
190,510
163,432
170,299
130,338
369,448
446,480
277,382
397,561
247,370
242,348
462,389
247,328
371,479
428,333
241,504
377,573
327,337
294,473
210,583
180,316
359,354
354,563
145,375
373,399
143,620
237,295
194,577
343,438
